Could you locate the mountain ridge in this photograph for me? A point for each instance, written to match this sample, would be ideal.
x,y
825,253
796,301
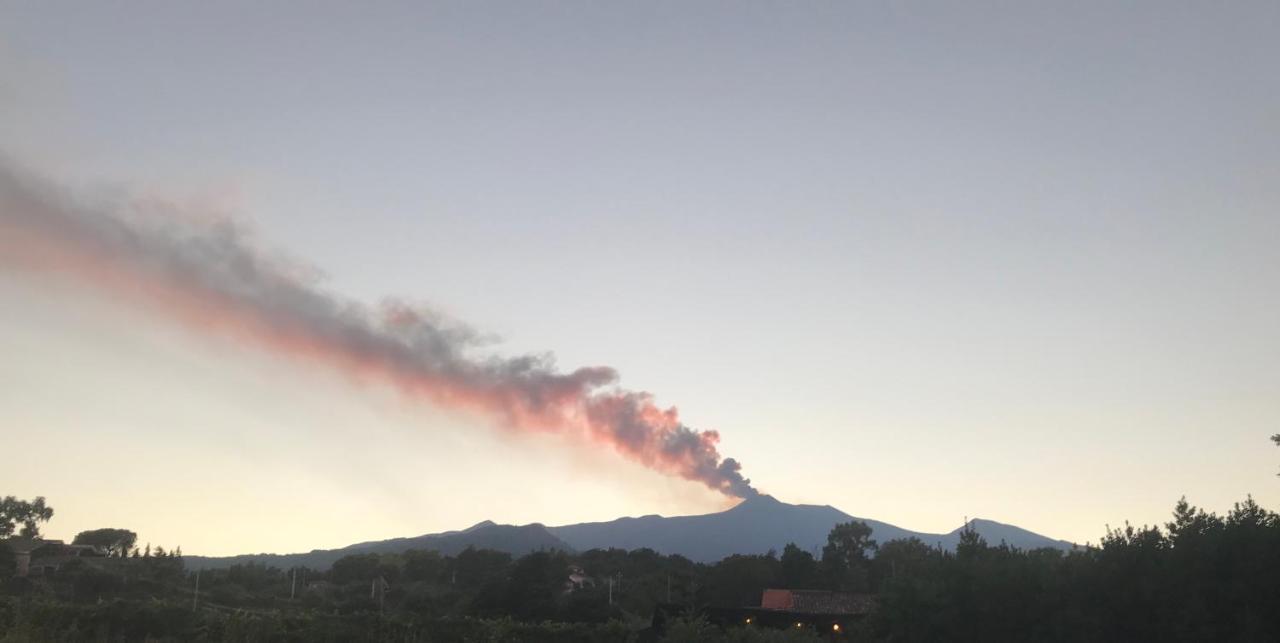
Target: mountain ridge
x,y
516,540
753,526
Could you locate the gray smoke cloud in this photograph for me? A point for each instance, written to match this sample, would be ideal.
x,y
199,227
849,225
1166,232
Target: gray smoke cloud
x,y
209,276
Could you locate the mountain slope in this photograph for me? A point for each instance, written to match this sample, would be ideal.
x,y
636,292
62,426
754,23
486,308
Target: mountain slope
x,y
514,540
997,532
754,526
762,523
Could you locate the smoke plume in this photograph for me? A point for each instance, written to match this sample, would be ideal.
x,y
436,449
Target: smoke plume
x,y
210,277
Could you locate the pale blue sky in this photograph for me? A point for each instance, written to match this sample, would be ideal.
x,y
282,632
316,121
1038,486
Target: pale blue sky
x,y
914,261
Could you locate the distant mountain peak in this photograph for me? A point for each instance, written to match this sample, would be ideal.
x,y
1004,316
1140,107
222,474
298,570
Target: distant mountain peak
x,y
483,524
995,532
980,524
759,501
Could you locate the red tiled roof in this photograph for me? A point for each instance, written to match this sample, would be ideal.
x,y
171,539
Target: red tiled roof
x,y
817,601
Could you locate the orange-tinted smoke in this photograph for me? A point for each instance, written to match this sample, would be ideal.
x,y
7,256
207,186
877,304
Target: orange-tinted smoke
x,y
209,278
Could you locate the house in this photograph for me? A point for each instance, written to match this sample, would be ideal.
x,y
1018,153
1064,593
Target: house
x,y
38,557
822,611
809,601
320,587
578,579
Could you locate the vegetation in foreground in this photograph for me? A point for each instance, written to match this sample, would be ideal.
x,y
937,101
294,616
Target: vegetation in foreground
x,y
1200,577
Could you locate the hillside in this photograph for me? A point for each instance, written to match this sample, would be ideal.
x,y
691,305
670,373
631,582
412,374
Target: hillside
x,y
754,526
515,540
762,523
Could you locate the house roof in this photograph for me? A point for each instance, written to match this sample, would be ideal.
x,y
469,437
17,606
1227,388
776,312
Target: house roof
x,y
21,545
817,601
30,546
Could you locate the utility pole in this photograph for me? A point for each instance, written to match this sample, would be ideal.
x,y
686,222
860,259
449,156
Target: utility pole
x,y
610,590
668,587
293,584
195,601
378,590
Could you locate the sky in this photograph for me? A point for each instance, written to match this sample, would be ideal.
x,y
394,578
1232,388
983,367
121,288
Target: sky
x,y
919,262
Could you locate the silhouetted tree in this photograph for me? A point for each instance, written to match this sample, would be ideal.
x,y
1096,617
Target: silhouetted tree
x,y
535,582
971,543
903,558
117,542
475,567
423,565
23,517
740,580
846,556
356,567
799,568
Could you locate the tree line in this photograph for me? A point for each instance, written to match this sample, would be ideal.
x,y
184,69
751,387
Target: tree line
x,y
1198,577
